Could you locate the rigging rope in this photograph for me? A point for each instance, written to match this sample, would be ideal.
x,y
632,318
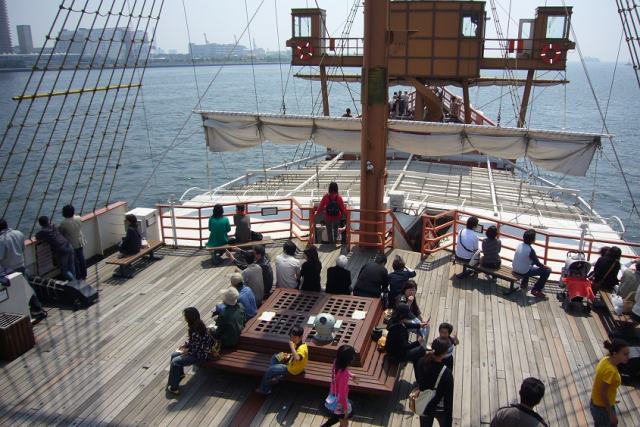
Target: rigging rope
x,y
626,15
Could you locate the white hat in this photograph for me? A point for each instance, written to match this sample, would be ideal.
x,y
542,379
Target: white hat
x,y
230,296
236,279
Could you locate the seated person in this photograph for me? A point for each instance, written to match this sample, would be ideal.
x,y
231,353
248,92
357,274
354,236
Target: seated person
x,y
194,350
398,278
61,249
630,280
252,277
408,297
397,345
245,298
466,246
287,267
240,258
310,271
132,241
373,280
605,272
218,228
339,278
230,322
282,364
242,222
491,247
526,264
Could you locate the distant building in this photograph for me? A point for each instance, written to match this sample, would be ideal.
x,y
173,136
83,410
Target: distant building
x,y
110,45
215,50
5,34
24,39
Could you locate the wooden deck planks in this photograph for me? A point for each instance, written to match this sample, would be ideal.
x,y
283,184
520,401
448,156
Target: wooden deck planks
x,y
108,364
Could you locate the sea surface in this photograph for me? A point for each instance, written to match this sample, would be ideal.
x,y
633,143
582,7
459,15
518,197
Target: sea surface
x,y
164,151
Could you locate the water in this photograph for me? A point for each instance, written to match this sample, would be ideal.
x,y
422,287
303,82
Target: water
x,y
167,139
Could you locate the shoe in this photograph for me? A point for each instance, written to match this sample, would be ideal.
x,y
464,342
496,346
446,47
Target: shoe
x,y
538,294
181,377
173,390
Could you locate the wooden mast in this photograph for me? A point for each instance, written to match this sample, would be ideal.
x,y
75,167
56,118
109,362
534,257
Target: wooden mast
x,y
525,98
375,108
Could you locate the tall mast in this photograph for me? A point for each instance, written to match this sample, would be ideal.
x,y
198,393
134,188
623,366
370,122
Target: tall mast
x,y
373,165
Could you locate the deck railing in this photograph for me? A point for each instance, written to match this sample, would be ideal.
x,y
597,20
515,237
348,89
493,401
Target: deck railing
x,y
381,239
546,241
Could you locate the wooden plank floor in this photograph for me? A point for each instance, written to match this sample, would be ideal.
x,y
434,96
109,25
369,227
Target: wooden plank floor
x,y
108,365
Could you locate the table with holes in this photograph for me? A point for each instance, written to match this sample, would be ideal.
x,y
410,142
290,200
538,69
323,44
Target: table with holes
x,y
294,307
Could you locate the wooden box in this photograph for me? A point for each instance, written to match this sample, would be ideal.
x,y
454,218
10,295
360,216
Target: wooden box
x,y
16,336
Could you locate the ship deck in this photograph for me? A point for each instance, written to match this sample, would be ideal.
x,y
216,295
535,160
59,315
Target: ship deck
x,y
108,364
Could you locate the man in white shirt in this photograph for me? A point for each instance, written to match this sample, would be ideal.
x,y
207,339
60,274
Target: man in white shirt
x,y
467,245
287,267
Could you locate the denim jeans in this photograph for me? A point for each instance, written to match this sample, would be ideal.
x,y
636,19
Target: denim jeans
x,y
542,273
176,369
66,264
600,416
79,263
276,369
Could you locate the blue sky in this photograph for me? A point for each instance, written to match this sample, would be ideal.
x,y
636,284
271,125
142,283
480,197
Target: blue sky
x,y
596,22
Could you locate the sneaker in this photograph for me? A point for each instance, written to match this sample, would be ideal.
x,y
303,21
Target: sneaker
x,y
173,390
538,294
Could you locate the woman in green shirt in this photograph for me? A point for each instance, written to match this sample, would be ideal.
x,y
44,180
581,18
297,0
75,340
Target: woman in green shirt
x,y
218,228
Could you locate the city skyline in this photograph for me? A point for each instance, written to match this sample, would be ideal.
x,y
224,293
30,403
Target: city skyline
x,y
596,26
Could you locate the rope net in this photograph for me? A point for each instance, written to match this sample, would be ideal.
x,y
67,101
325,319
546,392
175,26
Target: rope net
x,y
65,139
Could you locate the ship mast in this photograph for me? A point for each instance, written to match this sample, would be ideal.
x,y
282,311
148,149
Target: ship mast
x,y
373,141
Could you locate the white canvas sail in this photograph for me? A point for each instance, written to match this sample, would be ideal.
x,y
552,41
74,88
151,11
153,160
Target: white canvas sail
x,y
564,152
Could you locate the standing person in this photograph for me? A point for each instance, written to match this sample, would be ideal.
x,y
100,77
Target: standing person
x,y
310,271
252,277
283,364
491,247
242,222
373,280
287,267
337,403
466,246
606,383
132,241
605,272
230,322
445,331
218,228
522,414
71,229
12,259
194,350
433,374
526,263
398,278
404,103
60,247
339,278
347,113
245,297
333,209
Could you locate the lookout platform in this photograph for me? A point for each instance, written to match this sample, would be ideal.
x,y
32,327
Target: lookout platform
x,y
108,364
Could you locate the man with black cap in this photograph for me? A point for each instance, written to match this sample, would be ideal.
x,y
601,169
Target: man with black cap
x,y
522,414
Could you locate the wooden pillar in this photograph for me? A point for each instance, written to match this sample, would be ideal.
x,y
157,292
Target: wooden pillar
x,y
419,107
325,93
525,98
375,115
467,102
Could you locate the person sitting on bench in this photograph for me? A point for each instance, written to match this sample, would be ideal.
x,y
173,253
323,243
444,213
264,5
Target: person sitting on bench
x,y
526,264
466,246
60,247
132,241
283,364
218,228
245,297
397,279
339,278
373,280
230,322
491,247
240,259
252,277
287,267
242,222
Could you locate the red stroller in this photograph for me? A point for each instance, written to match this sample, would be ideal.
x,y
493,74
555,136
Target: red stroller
x,y
577,287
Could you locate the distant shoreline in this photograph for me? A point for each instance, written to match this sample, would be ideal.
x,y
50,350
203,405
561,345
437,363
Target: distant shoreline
x,y
212,64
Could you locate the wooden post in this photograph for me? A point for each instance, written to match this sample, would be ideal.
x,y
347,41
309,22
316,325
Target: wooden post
x,y
467,103
375,108
525,98
419,107
325,93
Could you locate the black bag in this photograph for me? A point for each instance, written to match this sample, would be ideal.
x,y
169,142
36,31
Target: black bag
x,y
332,207
376,333
77,294
256,236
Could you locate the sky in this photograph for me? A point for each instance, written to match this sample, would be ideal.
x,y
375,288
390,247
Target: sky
x,y
596,22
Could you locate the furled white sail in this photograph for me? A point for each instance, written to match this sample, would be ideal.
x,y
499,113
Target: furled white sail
x,y
564,152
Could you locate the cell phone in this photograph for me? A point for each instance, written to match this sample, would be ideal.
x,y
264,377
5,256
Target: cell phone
x,y
479,229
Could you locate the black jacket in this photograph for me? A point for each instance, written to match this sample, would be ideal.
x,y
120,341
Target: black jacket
x,y
338,281
132,242
373,280
427,374
397,344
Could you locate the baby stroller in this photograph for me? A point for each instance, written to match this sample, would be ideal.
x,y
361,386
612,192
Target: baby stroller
x,y
576,287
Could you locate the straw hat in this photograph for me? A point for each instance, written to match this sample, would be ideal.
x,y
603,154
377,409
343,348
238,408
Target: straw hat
x,y
230,296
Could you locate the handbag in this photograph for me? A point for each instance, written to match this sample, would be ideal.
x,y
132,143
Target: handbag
x,y
628,303
331,401
215,352
255,236
418,400
475,258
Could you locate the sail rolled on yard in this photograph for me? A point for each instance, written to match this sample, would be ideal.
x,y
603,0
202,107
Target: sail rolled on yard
x,y
563,152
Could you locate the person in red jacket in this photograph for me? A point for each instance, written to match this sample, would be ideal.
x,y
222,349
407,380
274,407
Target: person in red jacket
x,y
333,209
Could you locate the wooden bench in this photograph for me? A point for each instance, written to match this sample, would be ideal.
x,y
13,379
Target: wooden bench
x,y
214,249
505,273
623,324
124,262
376,376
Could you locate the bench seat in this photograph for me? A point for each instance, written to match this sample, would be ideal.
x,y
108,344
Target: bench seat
x,y
239,245
503,272
622,323
124,262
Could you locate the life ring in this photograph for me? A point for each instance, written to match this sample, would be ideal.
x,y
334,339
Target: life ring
x,y
304,50
550,53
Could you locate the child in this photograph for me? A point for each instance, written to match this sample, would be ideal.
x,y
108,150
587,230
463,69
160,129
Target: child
x,y
283,364
446,331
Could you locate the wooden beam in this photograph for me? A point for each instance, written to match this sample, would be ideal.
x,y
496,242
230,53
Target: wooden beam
x,y
525,98
325,93
467,102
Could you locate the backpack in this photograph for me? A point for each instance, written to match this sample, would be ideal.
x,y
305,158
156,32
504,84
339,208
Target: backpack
x,y
332,207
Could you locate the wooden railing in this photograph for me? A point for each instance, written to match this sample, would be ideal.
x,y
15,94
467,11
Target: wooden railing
x,y
380,240
545,240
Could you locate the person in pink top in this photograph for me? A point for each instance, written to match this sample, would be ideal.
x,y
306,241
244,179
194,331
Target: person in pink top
x,y
333,209
338,398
